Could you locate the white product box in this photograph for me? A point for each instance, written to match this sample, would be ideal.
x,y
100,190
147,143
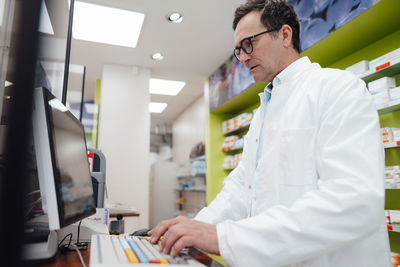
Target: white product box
x,y
359,67
381,98
384,83
394,216
387,135
396,134
227,126
385,60
394,93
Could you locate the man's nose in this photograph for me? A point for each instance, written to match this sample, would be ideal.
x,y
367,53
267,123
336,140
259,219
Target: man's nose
x,y
244,58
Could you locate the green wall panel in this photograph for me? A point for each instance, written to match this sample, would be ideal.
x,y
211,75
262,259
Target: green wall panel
x,y
215,160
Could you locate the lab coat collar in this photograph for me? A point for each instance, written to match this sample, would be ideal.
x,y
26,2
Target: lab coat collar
x,y
294,69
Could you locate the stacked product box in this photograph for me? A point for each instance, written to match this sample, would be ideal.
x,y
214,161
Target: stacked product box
x,y
366,67
394,93
390,134
395,259
199,167
232,162
385,61
393,218
236,123
359,68
381,90
231,143
392,177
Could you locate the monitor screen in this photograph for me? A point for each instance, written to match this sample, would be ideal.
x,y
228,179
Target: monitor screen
x,y
62,161
70,152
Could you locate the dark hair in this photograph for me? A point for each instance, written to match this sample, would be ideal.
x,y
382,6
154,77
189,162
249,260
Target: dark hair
x,y
274,14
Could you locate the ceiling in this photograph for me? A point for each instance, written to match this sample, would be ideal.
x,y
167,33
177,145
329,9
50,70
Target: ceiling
x,y
192,49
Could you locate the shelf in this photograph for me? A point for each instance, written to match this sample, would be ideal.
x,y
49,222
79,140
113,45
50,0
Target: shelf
x,y
389,186
243,100
391,145
191,175
388,71
239,130
391,106
394,227
191,190
199,158
235,149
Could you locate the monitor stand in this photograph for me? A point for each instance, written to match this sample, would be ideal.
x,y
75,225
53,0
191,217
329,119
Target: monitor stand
x,y
40,244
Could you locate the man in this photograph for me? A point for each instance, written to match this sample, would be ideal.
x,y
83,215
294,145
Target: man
x,y
309,190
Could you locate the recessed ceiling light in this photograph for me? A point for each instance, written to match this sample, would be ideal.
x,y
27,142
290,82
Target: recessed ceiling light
x,y
157,56
175,17
165,87
157,107
106,25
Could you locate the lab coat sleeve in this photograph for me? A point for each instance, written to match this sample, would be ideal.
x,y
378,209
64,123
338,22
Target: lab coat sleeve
x,y
348,203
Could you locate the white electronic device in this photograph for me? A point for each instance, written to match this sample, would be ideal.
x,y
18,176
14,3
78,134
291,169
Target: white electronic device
x,y
112,250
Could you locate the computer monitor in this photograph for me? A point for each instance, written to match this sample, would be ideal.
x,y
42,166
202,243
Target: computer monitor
x,y
19,42
62,162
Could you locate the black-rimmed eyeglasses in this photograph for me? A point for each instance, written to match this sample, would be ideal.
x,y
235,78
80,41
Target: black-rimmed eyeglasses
x,y
246,44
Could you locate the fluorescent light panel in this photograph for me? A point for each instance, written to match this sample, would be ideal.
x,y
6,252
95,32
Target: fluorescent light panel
x,y
156,107
165,87
106,25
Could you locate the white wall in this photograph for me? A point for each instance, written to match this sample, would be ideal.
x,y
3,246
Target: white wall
x,y
124,136
188,129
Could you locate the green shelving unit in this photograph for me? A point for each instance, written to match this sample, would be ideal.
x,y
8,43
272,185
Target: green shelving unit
x,y
390,71
370,35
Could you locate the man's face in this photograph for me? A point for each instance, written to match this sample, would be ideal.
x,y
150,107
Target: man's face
x,y
263,62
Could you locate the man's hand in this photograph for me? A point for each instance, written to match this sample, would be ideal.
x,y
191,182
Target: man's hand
x,y
182,232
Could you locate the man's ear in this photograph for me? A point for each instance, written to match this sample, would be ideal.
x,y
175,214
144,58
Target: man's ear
x,y
287,33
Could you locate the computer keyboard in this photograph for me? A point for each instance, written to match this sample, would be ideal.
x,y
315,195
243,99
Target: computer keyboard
x,y
113,250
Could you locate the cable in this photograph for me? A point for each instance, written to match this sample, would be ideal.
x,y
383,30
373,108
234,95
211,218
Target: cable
x,y
80,244
80,255
70,238
79,230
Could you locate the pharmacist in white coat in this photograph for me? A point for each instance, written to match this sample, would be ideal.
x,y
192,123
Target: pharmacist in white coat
x,y
309,190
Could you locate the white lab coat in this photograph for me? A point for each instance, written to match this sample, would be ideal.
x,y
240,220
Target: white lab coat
x,y
318,192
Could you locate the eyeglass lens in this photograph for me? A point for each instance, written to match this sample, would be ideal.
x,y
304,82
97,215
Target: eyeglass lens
x,y
246,46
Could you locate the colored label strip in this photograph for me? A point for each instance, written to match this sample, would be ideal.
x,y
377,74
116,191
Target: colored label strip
x,y
128,251
138,252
